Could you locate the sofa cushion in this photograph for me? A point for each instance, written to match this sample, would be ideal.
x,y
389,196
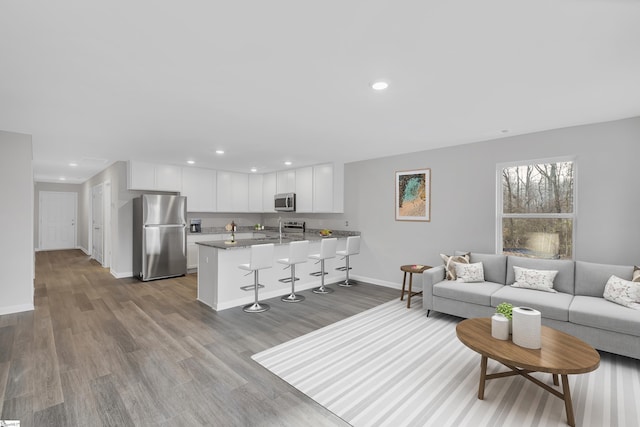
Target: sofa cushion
x,y
551,305
602,314
495,266
591,277
623,292
564,279
474,293
449,266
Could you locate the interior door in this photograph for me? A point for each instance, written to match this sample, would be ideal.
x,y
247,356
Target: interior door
x,y
97,223
57,220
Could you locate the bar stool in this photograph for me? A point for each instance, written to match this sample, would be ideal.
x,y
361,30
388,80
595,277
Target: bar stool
x,y
261,257
327,251
353,248
298,252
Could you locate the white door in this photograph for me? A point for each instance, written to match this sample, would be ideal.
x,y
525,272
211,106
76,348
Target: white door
x,y
57,220
97,223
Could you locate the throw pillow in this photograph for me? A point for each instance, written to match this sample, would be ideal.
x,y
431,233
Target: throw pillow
x,y
622,292
636,274
469,273
448,263
540,280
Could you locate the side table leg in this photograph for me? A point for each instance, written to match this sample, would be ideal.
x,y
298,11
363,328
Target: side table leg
x,y
404,280
483,376
555,379
410,290
568,405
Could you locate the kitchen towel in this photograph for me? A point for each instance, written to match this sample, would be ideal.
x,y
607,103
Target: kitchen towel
x,y
499,326
526,327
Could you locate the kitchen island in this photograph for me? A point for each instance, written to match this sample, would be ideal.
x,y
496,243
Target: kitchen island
x,y
220,280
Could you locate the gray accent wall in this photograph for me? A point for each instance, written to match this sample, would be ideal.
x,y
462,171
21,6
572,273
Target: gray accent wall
x,y
463,198
16,219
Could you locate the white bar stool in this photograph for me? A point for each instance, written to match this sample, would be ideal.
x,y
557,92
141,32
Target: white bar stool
x,y
298,253
327,251
261,257
353,248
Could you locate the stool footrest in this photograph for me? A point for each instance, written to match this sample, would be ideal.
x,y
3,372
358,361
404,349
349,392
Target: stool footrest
x,y
317,273
250,287
343,268
287,279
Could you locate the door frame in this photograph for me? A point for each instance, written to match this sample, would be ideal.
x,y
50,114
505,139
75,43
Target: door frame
x,y
106,223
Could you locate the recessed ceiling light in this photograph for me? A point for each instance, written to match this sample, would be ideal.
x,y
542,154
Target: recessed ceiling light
x,y
219,151
287,163
191,162
254,170
62,178
504,131
73,164
379,85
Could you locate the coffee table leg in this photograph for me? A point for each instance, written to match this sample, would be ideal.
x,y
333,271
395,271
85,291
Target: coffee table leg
x,y
567,401
483,376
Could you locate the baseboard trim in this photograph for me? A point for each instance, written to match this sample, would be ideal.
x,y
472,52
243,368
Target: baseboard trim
x,y
379,282
118,275
16,309
86,251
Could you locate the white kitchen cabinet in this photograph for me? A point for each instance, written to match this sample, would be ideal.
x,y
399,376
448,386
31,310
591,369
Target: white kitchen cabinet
x,y
286,181
328,188
304,189
255,192
150,176
232,192
268,191
199,186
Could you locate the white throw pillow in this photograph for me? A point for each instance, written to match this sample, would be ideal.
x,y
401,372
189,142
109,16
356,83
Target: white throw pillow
x,y
540,280
623,292
469,273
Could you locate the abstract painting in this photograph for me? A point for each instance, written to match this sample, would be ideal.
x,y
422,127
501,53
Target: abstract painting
x,y
413,195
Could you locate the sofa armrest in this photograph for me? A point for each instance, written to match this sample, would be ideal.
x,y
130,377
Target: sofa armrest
x,y
429,278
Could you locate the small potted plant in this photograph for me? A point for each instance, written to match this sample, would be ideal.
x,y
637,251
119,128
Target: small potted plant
x,y
506,310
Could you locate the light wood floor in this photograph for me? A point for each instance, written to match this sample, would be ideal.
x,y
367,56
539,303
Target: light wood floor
x,y
118,352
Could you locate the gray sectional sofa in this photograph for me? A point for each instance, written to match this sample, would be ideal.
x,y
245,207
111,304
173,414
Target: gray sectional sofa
x,y
578,307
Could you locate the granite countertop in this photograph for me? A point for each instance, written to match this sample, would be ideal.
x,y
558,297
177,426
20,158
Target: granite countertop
x,y
273,237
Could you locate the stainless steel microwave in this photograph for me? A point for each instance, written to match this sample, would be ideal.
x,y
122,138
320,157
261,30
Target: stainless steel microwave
x,y
285,202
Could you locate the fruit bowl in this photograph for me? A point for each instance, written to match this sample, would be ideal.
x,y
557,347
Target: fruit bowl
x,y
325,233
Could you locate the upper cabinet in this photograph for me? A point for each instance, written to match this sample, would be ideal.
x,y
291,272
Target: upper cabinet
x,y
255,192
232,192
199,185
149,176
328,188
268,191
286,181
304,189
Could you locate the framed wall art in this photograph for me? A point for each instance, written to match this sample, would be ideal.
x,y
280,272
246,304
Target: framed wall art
x,y
413,195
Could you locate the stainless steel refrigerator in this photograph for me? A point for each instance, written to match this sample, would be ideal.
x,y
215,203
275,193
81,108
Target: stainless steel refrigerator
x,y
159,236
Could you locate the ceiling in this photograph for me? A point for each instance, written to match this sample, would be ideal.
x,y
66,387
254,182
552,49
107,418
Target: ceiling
x,y
166,81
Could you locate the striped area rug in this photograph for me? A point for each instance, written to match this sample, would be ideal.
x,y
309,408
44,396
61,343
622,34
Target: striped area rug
x,y
389,366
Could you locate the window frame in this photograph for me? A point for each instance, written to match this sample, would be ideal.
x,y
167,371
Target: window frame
x,y
500,215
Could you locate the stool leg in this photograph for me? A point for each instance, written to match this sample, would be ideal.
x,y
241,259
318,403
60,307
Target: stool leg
x,y
410,290
346,283
256,307
292,297
404,280
322,289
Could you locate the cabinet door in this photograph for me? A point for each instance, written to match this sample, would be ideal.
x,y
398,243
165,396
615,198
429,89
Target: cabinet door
x,y
141,176
192,255
323,188
255,193
168,178
304,189
286,181
199,186
223,192
268,191
239,192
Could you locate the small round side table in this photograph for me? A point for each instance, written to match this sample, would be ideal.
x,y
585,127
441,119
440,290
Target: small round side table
x,y
418,269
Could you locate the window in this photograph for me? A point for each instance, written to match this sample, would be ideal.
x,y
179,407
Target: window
x,y
536,209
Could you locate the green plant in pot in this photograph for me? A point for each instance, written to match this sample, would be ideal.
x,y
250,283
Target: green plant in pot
x,y
506,310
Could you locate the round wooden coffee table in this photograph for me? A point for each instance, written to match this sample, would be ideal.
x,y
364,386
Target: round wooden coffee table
x,y
560,354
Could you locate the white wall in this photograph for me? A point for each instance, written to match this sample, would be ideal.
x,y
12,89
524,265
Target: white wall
x,y
16,217
463,193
